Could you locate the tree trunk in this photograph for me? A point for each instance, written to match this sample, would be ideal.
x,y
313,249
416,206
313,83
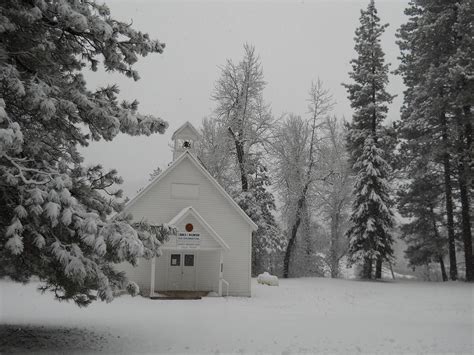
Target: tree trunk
x,y
453,270
333,245
428,272
239,148
243,173
290,247
367,269
335,270
443,269
333,262
466,228
391,269
378,268
465,147
294,231
255,262
439,247
300,204
310,268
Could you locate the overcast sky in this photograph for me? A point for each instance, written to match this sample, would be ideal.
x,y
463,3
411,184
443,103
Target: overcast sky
x,y
297,41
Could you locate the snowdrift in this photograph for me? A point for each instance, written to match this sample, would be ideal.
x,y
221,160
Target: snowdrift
x,y
267,279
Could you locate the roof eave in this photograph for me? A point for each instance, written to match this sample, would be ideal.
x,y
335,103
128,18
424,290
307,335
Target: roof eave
x,y
191,210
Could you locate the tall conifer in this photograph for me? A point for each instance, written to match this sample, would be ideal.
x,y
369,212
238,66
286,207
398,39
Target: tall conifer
x,y
436,64
370,238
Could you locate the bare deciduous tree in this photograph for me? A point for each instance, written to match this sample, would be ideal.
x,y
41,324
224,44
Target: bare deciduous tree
x,y
246,121
333,195
213,151
305,173
241,109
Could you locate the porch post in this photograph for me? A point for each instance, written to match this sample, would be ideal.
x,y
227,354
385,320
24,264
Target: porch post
x,y
152,277
221,261
196,273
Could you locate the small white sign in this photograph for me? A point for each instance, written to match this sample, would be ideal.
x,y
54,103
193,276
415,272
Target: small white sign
x,y
188,240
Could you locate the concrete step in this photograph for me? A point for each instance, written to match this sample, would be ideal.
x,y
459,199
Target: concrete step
x,y
179,295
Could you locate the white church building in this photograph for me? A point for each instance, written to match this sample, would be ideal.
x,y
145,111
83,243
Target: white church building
x,y
212,249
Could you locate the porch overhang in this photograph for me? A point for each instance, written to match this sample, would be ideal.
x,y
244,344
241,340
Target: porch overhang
x,y
191,211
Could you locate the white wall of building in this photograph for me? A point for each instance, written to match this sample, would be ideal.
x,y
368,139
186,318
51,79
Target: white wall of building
x,y
159,205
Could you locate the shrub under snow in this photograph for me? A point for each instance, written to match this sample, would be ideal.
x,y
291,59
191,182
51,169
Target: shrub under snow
x,y
267,279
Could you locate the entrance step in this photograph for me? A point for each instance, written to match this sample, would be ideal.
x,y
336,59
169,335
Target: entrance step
x,y
179,295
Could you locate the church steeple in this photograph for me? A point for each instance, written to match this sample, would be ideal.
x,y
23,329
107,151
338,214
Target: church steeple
x,y
185,138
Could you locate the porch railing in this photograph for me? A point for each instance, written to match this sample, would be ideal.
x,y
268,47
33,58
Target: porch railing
x,y
226,287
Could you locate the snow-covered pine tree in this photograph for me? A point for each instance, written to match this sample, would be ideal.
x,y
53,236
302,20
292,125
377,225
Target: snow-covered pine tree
x,y
370,236
436,63
259,203
461,83
247,120
420,197
420,201
54,211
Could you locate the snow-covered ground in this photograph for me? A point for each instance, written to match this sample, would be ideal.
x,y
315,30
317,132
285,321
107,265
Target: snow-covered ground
x,y
309,315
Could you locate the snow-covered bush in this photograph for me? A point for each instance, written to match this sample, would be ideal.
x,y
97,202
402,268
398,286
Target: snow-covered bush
x,y
267,279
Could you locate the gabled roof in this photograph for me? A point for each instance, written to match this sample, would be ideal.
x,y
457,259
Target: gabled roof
x,y
187,155
192,211
188,125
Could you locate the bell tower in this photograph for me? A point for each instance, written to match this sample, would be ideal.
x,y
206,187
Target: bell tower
x,y
185,139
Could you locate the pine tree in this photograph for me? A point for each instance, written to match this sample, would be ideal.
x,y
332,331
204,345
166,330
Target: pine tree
x,y
436,45
420,201
370,236
55,212
259,204
425,85
461,83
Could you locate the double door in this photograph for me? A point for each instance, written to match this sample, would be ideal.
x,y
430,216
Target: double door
x,y
182,271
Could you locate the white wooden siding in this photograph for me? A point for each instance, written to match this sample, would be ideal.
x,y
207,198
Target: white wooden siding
x,y
157,206
185,191
207,275
161,271
186,132
207,270
140,274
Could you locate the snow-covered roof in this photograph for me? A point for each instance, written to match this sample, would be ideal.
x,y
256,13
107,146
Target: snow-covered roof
x,y
187,155
192,211
183,127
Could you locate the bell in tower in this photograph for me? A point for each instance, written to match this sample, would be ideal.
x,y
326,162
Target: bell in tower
x,y
185,138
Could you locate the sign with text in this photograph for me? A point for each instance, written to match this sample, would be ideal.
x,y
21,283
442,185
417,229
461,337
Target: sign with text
x,y
188,240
